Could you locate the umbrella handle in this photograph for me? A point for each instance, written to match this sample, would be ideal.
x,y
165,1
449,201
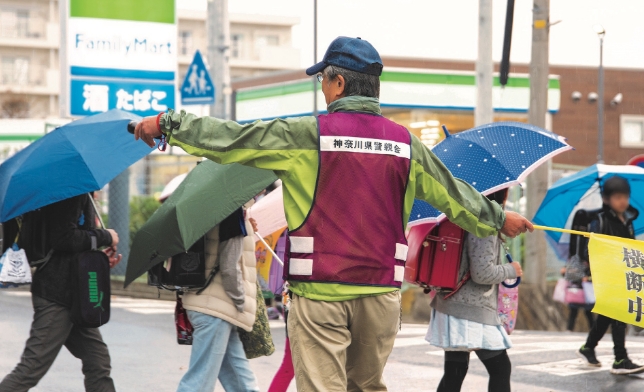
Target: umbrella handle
x,y
515,284
275,256
98,214
100,219
132,125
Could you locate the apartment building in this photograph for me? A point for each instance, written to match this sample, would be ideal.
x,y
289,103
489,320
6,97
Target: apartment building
x,y
29,66
30,41
258,43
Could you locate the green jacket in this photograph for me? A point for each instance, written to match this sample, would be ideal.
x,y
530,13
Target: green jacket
x,y
290,148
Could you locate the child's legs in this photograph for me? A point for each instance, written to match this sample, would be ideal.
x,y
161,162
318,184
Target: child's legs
x,y
589,317
456,365
572,317
597,331
498,367
618,330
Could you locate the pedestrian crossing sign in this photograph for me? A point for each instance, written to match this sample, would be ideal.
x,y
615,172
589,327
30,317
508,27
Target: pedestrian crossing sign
x,y
197,87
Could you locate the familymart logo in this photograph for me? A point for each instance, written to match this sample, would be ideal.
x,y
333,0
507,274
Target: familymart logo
x,y
95,296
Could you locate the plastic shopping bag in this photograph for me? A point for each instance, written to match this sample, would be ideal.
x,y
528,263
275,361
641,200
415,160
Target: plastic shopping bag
x,y
560,291
589,292
575,295
15,268
508,307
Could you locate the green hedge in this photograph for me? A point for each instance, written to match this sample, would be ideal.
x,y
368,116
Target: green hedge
x,y
141,209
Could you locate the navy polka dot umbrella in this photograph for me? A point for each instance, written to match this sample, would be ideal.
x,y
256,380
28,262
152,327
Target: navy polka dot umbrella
x,y
490,158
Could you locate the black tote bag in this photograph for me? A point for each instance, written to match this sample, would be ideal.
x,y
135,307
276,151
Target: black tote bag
x,y
91,290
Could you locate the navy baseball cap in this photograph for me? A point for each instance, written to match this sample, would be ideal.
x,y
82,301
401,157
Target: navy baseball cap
x,y
355,54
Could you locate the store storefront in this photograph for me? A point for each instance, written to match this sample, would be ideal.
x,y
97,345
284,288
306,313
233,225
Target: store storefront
x,y
18,133
421,100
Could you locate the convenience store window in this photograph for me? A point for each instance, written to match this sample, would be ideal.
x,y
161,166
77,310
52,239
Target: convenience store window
x,y
427,124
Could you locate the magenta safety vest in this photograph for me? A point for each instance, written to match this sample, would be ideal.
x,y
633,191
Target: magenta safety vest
x,y
355,233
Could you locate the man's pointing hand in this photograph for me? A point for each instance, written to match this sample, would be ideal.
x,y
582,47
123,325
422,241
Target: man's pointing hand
x,y
515,224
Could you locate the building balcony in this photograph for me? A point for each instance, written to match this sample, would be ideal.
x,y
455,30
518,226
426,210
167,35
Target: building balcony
x,y
265,58
39,81
270,58
200,14
46,37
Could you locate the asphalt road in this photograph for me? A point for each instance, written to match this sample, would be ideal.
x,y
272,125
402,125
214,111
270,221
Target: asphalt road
x,y
145,355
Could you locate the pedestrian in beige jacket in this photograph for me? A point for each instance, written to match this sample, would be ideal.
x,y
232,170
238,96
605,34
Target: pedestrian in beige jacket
x,y
217,351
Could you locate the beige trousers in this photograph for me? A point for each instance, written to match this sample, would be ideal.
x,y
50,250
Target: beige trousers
x,y
342,346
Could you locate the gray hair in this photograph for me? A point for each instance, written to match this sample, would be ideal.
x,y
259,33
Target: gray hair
x,y
355,83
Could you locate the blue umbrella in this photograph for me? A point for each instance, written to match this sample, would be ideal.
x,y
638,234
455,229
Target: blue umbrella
x,y
77,158
490,158
582,191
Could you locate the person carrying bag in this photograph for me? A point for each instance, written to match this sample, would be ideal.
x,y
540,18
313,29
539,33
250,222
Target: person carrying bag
x,y
468,319
71,235
222,309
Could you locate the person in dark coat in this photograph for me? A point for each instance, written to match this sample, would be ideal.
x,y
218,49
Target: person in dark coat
x,y
70,226
616,219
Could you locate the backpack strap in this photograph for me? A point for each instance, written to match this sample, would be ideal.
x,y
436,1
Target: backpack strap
x,y
213,272
467,277
601,222
577,247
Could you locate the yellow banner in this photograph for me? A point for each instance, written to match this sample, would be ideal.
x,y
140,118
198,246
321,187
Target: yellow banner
x,y
617,267
264,256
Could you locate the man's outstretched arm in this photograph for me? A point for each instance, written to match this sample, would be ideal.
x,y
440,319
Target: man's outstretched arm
x,y
273,145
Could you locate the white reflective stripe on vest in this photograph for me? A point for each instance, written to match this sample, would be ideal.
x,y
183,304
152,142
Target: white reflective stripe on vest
x,y
365,146
399,273
401,252
301,244
302,267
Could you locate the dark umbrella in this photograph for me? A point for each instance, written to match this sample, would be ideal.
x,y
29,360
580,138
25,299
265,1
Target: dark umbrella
x,y
209,194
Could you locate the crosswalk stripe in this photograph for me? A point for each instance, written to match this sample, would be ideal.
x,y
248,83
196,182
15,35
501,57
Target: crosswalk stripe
x,y
532,348
574,367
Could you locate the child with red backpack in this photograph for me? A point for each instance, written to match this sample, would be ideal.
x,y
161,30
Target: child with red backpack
x,y
467,320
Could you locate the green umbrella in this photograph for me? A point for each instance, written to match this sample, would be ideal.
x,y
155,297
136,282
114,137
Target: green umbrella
x,y
209,194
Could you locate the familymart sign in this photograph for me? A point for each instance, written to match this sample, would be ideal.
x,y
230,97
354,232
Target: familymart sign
x,y
121,54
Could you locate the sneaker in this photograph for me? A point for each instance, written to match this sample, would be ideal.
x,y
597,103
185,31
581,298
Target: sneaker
x,y
625,366
588,355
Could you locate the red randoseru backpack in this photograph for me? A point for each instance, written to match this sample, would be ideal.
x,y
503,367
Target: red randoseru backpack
x,y
434,257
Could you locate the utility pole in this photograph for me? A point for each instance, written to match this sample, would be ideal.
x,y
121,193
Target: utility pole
x,y
484,111
315,56
600,99
63,96
218,34
537,182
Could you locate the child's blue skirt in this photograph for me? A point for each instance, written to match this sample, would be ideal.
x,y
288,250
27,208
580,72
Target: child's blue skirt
x,y
456,334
